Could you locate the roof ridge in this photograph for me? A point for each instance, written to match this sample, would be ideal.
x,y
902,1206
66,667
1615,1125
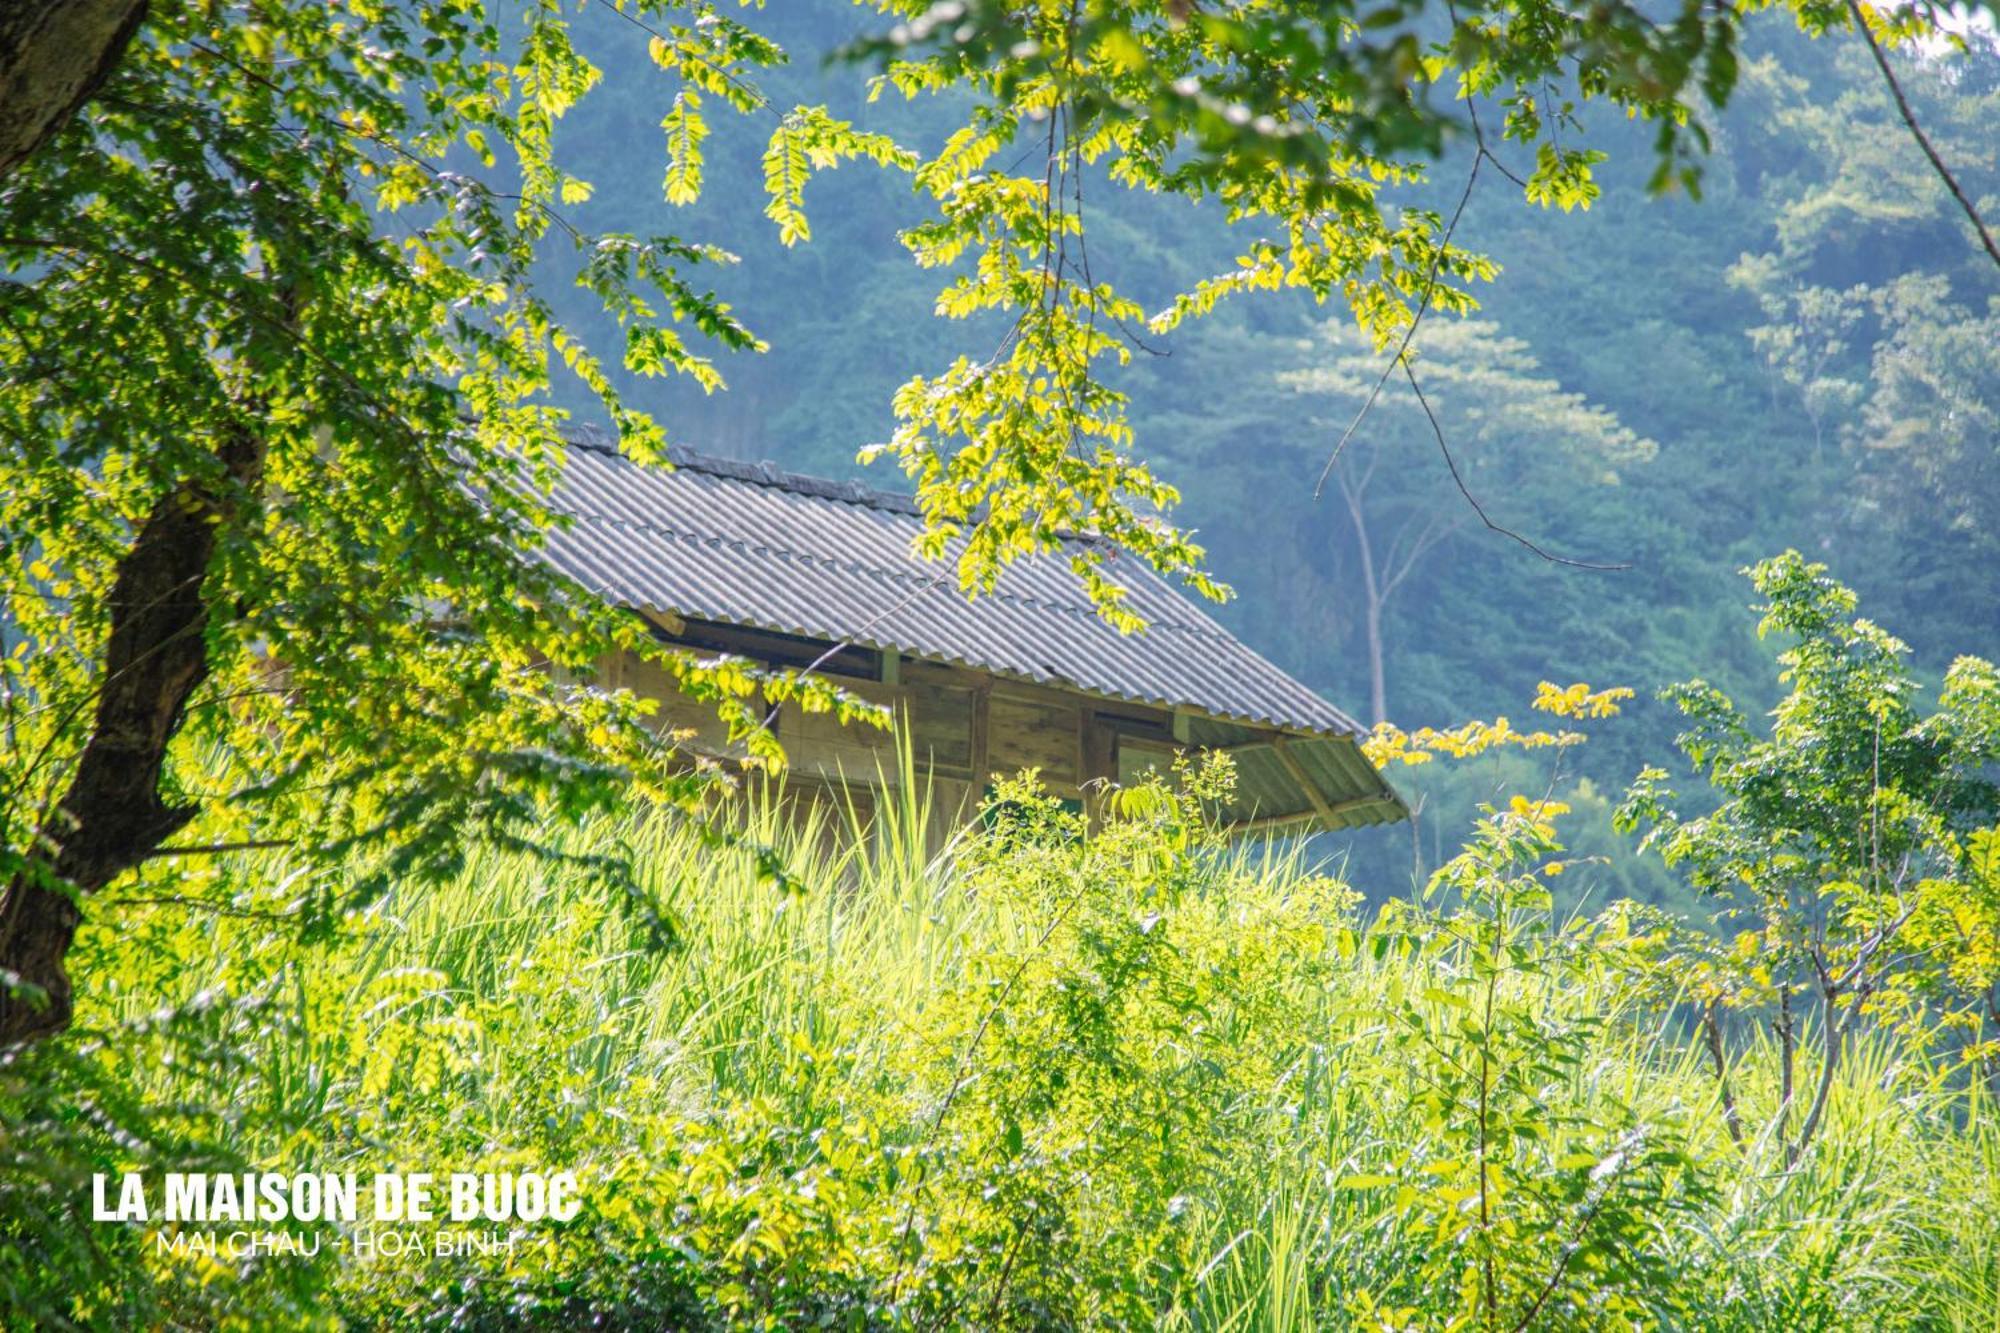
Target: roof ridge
x,y
764,473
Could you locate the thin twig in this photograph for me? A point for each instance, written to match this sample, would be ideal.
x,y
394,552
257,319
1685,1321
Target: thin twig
x,y
201,905
1711,1022
1472,112
1554,1282
1916,130
1473,500
1483,154
1403,348
223,848
839,646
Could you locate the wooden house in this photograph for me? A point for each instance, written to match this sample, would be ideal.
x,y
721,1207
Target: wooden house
x,y
728,557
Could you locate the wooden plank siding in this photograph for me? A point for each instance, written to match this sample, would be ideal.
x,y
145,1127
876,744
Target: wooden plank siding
x,y
965,727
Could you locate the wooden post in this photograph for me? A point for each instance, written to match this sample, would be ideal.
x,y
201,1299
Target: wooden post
x,y
1099,768
982,707
1100,750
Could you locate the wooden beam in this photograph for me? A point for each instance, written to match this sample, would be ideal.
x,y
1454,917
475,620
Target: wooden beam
x,y
665,620
1265,823
1080,744
1313,794
1307,816
892,667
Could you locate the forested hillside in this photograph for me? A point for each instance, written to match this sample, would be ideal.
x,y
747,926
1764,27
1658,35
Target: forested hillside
x,y
1808,356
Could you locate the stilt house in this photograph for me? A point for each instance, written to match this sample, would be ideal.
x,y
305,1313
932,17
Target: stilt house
x,y
796,571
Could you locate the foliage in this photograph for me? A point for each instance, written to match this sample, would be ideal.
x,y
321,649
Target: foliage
x,y
279,353
1854,845
1054,1077
1293,85
1545,1191
1247,109
421,194
1391,744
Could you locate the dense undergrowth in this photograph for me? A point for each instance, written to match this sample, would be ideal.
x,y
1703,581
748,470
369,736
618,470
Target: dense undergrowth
x,y
1050,1078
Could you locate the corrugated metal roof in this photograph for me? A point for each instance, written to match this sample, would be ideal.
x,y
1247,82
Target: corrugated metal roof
x,y
748,544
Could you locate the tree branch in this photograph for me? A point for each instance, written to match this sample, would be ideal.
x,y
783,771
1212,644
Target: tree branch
x,y
1917,132
222,848
1711,1023
1403,348
1472,500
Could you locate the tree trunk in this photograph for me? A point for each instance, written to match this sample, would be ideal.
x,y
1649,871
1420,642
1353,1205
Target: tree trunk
x,y
1711,1023
1378,683
53,55
112,817
1373,589
1831,1035
1787,1050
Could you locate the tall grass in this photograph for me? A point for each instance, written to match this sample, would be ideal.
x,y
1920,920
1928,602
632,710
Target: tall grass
x,y
949,1106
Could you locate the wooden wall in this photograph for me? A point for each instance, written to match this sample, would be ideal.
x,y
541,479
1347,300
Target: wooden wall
x,y
967,727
